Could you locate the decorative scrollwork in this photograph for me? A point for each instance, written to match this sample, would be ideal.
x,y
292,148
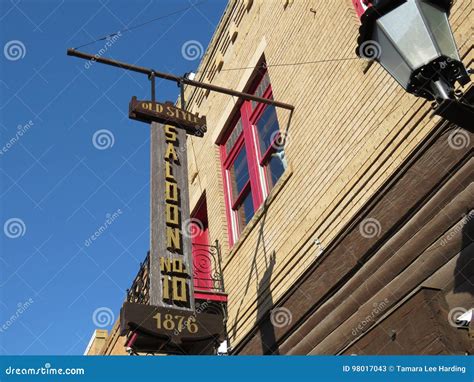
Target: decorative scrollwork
x,y
207,268
202,262
207,274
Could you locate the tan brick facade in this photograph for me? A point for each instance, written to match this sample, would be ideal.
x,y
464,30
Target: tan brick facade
x,y
353,126
349,132
96,342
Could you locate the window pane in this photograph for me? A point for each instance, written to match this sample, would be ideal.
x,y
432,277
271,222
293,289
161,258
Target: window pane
x,y
239,173
267,127
233,136
245,211
261,88
274,169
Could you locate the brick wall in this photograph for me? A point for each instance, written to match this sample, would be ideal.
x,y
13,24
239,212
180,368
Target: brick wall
x,y
349,132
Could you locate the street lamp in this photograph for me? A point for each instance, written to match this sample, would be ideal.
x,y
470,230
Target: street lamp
x,y
413,41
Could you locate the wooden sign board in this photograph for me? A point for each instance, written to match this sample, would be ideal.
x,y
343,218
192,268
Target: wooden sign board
x,y
171,272
168,114
167,330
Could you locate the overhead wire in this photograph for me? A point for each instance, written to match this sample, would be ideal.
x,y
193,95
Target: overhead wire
x,y
129,29
277,65
133,27
287,64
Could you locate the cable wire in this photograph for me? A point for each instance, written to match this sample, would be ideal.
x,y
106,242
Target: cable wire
x,y
128,29
287,64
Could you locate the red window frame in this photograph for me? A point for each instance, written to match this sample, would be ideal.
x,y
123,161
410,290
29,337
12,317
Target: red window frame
x,y
257,160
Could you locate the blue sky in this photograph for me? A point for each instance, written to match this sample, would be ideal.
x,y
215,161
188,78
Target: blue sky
x,y
71,161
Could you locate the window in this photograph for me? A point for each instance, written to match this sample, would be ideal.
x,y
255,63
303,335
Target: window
x,y
252,157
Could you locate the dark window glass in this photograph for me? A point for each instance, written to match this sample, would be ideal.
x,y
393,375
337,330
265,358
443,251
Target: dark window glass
x,y
245,211
239,173
233,136
267,127
261,88
275,169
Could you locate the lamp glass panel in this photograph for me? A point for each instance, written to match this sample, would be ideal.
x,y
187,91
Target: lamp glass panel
x,y
438,23
405,27
391,59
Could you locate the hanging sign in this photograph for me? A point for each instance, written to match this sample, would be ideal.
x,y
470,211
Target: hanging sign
x,y
171,273
171,281
170,330
167,113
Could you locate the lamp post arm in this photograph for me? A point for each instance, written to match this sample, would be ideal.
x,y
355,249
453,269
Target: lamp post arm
x,y
177,79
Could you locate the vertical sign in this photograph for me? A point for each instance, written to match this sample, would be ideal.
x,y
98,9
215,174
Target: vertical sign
x,y
171,283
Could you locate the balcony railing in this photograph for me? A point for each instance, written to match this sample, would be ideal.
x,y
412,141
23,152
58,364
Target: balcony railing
x,y
139,292
207,274
207,268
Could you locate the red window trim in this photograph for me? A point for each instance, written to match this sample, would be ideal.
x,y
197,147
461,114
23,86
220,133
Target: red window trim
x,y
268,93
239,144
252,156
234,151
245,190
256,160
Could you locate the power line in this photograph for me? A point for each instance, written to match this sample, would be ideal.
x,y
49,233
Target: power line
x,y
129,29
287,64
194,92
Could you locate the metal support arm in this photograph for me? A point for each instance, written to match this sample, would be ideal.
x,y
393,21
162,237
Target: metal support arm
x,y
177,79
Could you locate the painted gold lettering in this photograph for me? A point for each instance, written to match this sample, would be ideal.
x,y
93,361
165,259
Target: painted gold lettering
x,y
165,265
178,266
170,134
166,287
171,152
172,214
173,238
179,289
168,173
171,192
170,111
